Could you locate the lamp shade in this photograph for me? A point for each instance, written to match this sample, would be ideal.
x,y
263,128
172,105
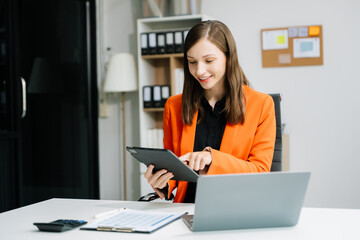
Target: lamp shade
x,y
121,74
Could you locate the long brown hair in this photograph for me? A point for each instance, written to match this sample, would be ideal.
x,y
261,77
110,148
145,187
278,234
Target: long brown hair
x,y
218,34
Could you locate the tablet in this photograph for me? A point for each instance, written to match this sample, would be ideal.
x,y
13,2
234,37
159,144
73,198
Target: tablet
x,y
164,159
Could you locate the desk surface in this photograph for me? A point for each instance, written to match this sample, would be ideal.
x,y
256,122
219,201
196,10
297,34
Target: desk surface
x,y
314,223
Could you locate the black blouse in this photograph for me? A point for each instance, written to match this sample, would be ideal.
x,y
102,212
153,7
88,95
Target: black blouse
x,y
209,133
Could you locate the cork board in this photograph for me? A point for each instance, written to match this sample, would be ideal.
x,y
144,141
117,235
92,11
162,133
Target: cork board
x,y
292,46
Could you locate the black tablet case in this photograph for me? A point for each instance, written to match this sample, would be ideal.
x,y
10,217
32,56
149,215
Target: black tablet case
x,y
164,159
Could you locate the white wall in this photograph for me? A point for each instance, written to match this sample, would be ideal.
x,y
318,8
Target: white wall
x,y
319,107
117,30
320,103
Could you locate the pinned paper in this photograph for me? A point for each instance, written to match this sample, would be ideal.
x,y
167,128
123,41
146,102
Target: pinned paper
x,y
306,47
276,39
284,58
280,39
303,31
314,31
293,32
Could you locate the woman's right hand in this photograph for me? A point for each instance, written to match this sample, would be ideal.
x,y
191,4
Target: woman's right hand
x,y
158,180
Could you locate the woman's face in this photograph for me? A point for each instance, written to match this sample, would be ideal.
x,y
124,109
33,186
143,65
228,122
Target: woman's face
x,y
207,64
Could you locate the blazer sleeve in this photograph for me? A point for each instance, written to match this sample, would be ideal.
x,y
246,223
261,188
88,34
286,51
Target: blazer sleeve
x,y
168,138
168,141
262,147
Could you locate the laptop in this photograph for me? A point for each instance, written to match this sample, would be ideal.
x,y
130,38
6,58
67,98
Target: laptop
x,y
242,201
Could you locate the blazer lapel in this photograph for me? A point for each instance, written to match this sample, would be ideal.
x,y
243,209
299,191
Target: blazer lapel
x,y
228,139
232,132
188,136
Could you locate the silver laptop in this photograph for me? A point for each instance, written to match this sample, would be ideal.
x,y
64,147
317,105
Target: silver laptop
x,y
241,201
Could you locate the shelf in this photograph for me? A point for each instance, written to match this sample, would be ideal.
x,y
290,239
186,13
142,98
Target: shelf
x,y
153,109
171,22
176,55
176,19
159,69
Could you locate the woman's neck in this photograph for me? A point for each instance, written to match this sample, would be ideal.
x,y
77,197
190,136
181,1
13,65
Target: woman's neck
x,y
214,95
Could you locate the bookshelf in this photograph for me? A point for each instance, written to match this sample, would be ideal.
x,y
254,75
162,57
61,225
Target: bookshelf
x,y
158,70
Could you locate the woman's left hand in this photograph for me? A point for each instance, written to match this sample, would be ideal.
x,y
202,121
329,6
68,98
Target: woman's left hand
x,y
198,161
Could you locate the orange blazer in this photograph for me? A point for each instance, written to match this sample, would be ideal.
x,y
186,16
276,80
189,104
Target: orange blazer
x,y
244,148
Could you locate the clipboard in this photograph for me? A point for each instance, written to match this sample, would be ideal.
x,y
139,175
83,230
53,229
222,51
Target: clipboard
x,y
164,159
131,220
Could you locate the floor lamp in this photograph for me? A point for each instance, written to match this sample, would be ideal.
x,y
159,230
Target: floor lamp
x,y
121,77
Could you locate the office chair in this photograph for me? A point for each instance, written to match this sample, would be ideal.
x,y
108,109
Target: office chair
x,y
277,158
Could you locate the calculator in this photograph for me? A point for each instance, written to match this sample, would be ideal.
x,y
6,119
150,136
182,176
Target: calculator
x,y
60,225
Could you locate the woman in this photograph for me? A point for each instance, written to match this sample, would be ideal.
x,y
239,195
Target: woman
x,y
219,125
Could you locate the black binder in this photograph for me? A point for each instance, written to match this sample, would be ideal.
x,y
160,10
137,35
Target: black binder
x,y
156,96
185,32
165,94
178,35
160,43
152,43
147,96
144,44
169,44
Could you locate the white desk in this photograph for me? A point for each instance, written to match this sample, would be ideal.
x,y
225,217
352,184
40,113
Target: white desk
x,y
314,223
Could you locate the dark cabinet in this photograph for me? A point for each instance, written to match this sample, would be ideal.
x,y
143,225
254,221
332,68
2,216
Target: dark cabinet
x,y
48,101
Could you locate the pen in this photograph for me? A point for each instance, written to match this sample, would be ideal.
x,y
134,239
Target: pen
x,y
103,214
114,229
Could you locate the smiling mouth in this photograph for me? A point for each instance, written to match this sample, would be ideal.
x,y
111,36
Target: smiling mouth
x,y
204,79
